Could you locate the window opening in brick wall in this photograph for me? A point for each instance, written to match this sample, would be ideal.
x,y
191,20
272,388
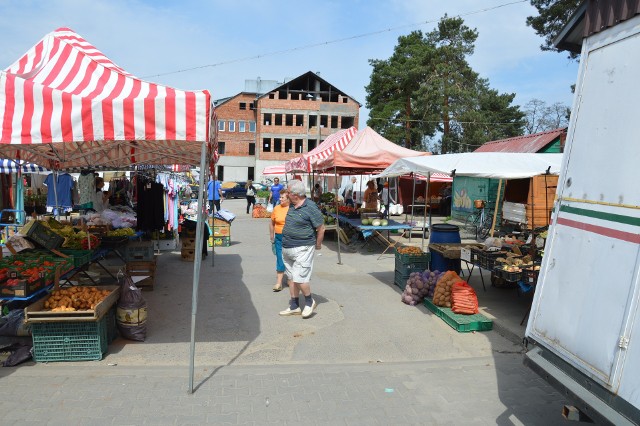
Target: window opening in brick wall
x,y
334,122
347,122
333,97
277,145
252,148
242,126
243,105
299,146
267,119
251,173
344,100
221,125
252,126
277,119
313,120
232,126
288,120
282,94
220,174
266,144
324,121
272,95
287,145
252,105
295,96
311,144
221,147
299,120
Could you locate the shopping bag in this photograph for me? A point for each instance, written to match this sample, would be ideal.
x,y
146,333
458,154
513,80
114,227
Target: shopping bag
x,y
270,207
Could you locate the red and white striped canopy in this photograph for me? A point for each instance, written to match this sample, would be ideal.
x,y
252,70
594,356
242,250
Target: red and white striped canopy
x,y
335,142
64,104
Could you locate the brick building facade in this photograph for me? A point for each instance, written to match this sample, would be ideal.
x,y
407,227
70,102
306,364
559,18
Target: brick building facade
x,y
266,127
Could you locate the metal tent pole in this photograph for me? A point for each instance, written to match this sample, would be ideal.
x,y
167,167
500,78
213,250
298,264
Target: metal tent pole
x,y
335,173
197,263
426,203
413,202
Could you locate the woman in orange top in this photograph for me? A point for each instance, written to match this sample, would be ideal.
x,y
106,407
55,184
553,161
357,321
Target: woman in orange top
x,y
278,217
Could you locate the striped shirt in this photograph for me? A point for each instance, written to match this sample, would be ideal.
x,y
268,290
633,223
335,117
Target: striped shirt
x,y
300,225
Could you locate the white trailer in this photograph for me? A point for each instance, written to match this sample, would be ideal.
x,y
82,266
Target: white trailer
x,y
584,326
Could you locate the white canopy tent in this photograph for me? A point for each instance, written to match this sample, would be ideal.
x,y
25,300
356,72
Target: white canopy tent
x,y
497,165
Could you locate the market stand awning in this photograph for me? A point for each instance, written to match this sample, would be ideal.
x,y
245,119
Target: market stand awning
x,y
64,104
368,152
274,170
11,166
335,142
498,165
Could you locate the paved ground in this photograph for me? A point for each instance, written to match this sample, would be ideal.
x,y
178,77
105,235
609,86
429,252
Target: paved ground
x,y
364,358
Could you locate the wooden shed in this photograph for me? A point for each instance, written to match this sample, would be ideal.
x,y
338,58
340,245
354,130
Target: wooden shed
x,y
529,202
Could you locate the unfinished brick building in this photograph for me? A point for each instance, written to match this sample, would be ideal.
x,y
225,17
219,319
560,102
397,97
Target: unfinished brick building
x,y
270,123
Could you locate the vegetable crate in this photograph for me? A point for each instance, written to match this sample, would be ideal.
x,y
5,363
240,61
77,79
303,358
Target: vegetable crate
x,y
459,322
488,258
143,269
40,234
188,243
511,276
412,258
138,251
408,268
80,257
220,241
20,287
400,279
71,341
188,255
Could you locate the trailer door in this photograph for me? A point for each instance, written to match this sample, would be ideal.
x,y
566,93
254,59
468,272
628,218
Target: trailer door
x,y
587,295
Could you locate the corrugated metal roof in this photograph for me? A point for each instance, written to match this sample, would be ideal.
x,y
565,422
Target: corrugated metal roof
x,y
592,17
525,144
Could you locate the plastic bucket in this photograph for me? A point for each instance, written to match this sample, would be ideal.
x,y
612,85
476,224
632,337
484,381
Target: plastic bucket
x,y
444,233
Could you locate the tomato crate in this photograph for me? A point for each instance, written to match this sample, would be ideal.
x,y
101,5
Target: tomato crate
x,y
70,340
15,287
459,322
412,258
80,257
408,268
138,251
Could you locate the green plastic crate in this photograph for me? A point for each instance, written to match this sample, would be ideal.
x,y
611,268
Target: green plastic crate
x,y
459,322
410,258
408,268
400,279
80,257
70,341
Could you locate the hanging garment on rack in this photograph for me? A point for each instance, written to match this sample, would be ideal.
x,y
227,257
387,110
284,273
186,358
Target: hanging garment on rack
x,y
86,189
64,186
150,207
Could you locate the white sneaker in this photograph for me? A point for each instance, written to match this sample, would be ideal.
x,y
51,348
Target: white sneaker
x,y
308,310
290,311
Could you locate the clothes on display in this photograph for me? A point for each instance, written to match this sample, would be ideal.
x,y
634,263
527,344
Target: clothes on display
x,y
150,206
64,187
86,189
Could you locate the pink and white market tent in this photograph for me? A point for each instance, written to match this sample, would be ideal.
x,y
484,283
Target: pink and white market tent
x,y
335,142
64,104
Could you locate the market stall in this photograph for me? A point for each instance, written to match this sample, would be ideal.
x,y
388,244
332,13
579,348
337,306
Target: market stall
x,y
367,153
62,116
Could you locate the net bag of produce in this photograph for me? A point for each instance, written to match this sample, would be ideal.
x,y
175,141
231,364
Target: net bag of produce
x,y
131,314
442,292
464,299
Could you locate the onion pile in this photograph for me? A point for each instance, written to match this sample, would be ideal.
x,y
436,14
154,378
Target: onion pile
x,y
420,285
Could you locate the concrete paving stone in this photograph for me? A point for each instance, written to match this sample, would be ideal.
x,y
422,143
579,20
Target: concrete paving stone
x,y
223,399
236,392
230,418
192,419
152,419
127,420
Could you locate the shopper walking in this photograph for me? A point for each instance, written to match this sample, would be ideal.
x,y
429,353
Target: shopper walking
x,y
274,192
302,235
278,217
214,194
251,195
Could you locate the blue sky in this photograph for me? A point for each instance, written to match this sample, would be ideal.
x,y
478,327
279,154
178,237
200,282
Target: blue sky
x,y
148,38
